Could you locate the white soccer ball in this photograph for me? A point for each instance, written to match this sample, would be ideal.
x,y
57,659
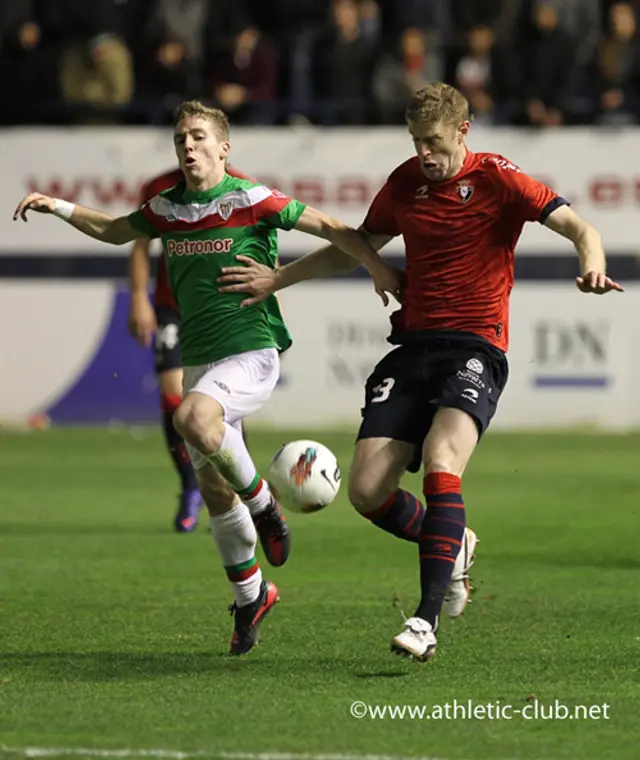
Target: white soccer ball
x,y
304,476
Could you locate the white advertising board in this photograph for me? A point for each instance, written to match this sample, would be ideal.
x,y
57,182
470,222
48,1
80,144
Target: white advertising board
x,y
574,358
336,170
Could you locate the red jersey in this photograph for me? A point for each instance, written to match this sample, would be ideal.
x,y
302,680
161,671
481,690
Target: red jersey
x,y
163,295
460,237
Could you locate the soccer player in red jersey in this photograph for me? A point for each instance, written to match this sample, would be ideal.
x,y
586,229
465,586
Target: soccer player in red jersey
x,y
429,401
159,322
162,320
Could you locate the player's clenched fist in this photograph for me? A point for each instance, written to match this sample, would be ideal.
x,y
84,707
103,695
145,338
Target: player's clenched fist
x,y
597,282
34,202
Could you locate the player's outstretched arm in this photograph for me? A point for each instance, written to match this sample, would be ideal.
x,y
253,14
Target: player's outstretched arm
x,y
588,245
326,261
260,282
386,279
95,224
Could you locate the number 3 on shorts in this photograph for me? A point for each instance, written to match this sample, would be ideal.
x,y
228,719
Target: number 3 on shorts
x,y
382,391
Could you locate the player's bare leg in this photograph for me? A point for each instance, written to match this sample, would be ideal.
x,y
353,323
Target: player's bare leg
x,y
447,449
376,471
190,501
235,536
377,468
200,419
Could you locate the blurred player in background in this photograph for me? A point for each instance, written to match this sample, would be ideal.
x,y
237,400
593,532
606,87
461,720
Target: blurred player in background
x,y
429,401
160,322
230,355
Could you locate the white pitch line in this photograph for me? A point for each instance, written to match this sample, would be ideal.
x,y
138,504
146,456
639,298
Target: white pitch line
x,y
169,754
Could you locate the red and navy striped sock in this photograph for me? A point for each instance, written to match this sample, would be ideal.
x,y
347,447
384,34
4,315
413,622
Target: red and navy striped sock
x,y
440,540
401,515
175,443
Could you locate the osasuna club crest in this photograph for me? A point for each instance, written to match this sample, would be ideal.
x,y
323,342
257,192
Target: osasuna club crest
x,y
225,209
465,190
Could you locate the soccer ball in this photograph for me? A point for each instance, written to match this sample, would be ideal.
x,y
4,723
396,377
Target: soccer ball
x,y
304,476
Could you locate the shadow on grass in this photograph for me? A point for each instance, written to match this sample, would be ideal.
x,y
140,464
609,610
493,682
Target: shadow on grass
x,y
80,667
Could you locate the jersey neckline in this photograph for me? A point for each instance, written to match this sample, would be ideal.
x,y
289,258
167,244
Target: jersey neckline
x,y
198,196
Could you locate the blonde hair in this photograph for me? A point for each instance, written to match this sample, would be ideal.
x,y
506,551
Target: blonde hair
x,y
438,102
217,117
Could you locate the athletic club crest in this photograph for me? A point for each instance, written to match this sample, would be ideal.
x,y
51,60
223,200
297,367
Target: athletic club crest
x,y
465,190
225,209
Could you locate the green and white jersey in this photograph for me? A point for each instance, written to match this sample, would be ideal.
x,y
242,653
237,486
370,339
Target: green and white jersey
x,y
202,232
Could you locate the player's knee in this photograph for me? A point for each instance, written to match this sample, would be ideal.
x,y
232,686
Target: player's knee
x,y
199,423
367,492
183,419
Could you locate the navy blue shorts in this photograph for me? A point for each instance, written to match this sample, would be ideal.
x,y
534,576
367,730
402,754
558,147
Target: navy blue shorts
x,y
167,342
407,386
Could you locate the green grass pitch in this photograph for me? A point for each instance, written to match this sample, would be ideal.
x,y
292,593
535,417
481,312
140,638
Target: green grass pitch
x,y
113,630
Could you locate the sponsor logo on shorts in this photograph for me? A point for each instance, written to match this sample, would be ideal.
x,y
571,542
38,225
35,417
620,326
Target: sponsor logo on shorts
x,y
198,247
471,394
470,377
222,386
475,365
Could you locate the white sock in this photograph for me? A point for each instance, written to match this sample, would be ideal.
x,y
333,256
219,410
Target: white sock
x,y
234,463
235,537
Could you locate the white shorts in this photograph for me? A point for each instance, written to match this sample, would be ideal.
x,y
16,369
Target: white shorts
x,y
241,384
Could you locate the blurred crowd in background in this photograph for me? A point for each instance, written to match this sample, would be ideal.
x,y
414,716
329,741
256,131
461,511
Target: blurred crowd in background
x,y
327,62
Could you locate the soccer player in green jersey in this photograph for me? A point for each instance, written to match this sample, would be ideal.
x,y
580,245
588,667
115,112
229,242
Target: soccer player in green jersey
x,y
230,354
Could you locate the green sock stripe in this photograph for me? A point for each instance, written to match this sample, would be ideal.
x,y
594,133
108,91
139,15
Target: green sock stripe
x,y
242,566
243,571
252,489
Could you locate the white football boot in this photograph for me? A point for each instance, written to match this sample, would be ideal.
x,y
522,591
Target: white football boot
x,y
417,641
457,596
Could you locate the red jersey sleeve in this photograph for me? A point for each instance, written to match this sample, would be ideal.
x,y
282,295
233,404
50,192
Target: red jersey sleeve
x,y
530,200
147,192
380,218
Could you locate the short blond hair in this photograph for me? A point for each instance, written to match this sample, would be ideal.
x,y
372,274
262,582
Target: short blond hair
x,y
438,102
217,117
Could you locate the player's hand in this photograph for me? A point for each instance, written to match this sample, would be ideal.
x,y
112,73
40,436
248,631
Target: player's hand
x,y
388,279
597,282
142,319
34,202
255,279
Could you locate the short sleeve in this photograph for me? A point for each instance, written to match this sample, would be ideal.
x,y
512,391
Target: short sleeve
x,y
380,219
141,223
532,200
278,211
147,192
